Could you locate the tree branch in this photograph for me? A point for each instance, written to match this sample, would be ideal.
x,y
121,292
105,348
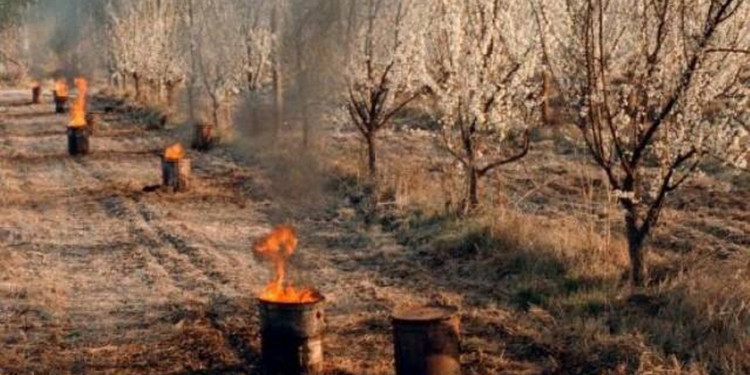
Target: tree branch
x,y
524,151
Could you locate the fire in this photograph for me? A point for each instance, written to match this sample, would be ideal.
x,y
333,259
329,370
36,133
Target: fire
x,y
277,247
78,112
174,152
61,88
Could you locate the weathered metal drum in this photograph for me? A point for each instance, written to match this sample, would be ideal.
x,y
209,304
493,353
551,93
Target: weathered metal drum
x,y
61,103
176,174
92,122
36,95
427,341
292,337
204,138
78,141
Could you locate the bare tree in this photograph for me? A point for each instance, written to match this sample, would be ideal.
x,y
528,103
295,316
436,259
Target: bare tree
x,y
657,89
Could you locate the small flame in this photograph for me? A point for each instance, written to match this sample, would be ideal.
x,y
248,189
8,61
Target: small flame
x,y
61,88
277,247
174,152
78,113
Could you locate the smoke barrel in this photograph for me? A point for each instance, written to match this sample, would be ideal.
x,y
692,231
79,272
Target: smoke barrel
x,y
427,341
36,95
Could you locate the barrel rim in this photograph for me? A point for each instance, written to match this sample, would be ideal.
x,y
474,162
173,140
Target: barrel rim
x,y
450,312
173,161
266,302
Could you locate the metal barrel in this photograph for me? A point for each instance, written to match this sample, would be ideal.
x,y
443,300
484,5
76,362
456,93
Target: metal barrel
x,y
36,93
176,174
61,103
78,141
292,337
427,341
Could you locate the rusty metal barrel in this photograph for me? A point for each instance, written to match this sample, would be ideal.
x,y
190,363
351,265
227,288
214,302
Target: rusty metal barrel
x,y
205,137
92,122
61,103
78,141
176,174
292,337
36,95
427,341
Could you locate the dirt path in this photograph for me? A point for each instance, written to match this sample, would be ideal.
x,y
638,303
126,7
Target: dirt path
x,y
98,277
102,278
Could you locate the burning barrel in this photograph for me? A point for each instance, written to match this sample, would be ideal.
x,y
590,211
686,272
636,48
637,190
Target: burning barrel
x,y
78,132
426,341
292,337
61,96
78,140
291,318
175,168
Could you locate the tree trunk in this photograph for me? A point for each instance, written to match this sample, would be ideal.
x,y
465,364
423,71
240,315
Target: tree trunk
x,y
124,84
170,88
372,165
473,188
278,86
137,83
278,101
636,251
302,90
215,109
546,107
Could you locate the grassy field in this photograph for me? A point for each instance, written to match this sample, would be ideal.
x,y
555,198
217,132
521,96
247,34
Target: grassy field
x,y
98,276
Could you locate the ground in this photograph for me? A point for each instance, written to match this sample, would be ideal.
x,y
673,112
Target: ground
x,y
98,276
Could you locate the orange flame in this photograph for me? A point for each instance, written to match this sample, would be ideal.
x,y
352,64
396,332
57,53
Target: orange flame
x,y
61,88
78,112
174,152
277,247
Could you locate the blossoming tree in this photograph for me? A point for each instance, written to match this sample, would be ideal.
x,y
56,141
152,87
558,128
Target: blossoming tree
x,y
481,70
656,90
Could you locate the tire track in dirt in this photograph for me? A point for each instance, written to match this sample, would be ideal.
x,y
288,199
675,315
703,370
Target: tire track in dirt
x,y
98,313
179,260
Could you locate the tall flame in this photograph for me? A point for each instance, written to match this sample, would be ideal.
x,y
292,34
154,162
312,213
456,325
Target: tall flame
x,y
277,247
78,112
61,88
174,152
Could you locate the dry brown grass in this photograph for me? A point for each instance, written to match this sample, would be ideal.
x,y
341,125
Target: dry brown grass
x,y
547,247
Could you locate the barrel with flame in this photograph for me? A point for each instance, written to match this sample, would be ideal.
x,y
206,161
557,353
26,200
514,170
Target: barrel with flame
x,y
78,132
292,337
292,322
427,341
61,95
175,168
78,140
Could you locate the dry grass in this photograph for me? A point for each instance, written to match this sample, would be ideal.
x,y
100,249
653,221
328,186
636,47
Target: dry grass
x,y
547,248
